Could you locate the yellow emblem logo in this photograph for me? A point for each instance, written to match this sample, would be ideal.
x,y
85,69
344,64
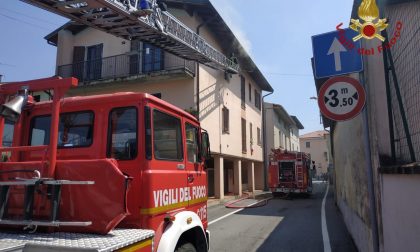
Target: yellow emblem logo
x,y
369,29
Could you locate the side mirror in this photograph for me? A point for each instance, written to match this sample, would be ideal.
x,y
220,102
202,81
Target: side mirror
x,y
205,146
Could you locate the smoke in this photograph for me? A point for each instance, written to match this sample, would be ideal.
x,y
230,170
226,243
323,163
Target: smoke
x,y
368,10
234,20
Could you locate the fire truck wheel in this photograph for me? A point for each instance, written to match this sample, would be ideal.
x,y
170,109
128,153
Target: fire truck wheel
x,y
186,247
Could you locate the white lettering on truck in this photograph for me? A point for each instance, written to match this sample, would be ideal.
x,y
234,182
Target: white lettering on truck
x,y
167,197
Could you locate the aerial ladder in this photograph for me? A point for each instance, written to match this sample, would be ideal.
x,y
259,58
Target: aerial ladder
x,y
126,19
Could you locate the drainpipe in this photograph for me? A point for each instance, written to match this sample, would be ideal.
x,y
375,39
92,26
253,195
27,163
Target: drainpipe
x,y
265,160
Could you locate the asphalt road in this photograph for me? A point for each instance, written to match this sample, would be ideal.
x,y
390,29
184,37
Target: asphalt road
x,y
281,225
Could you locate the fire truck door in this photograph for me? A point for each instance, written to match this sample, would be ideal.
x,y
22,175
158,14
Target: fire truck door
x,y
197,180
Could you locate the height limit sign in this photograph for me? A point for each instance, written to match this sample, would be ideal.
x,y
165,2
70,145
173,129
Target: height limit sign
x,y
341,98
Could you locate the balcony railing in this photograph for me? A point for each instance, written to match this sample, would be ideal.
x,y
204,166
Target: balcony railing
x,y
130,65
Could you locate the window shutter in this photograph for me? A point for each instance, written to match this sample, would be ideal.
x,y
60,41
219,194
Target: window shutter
x,y
78,62
225,120
243,135
243,92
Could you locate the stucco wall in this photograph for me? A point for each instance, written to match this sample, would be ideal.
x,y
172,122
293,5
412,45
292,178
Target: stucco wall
x,y
351,180
401,212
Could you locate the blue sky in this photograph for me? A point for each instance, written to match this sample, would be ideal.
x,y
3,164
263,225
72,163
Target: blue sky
x,y
277,34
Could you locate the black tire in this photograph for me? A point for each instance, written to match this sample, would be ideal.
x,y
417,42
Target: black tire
x,y
186,247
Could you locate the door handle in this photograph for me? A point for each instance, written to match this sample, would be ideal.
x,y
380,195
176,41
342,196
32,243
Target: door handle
x,y
180,166
190,178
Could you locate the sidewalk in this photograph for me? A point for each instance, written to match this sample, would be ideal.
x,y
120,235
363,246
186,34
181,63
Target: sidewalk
x,y
258,194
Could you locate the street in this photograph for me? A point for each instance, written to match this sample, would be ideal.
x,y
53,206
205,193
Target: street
x,y
281,225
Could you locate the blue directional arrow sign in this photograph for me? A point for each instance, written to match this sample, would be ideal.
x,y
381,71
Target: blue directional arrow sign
x,y
335,53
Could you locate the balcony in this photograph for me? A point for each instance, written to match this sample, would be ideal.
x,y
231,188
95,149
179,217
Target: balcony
x,y
136,65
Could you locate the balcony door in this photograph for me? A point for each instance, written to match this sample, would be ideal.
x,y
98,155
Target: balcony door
x,y
94,62
152,58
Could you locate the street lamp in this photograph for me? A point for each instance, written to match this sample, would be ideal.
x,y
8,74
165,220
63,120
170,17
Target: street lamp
x,y
320,115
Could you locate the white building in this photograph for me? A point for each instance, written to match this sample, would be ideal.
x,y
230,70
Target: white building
x,y
282,129
317,144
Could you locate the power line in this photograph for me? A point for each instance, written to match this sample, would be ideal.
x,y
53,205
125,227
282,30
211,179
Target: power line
x,y
28,16
22,21
4,64
291,74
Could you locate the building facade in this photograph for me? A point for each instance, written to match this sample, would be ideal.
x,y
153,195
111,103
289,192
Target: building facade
x,y
228,106
317,144
282,129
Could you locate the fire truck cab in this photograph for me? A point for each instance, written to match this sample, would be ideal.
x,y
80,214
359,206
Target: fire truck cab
x,y
123,166
290,172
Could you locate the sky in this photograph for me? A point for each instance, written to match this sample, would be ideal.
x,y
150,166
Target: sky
x,y
276,33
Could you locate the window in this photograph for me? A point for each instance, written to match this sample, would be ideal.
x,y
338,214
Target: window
x,y
257,100
308,144
243,135
225,114
37,98
122,133
243,92
152,58
8,133
192,143
258,136
94,61
281,140
147,133
249,91
74,130
250,134
167,137
326,156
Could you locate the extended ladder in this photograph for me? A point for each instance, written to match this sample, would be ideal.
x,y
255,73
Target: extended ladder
x,y
122,18
299,169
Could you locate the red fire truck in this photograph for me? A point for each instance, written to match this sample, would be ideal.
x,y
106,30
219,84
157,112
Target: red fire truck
x,y
121,171
290,172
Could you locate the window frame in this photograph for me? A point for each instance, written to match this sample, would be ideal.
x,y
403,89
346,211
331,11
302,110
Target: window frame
x,y
109,133
243,91
153,136
259,136
225,121
31,125
249,92
243,136
198,142
257,99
